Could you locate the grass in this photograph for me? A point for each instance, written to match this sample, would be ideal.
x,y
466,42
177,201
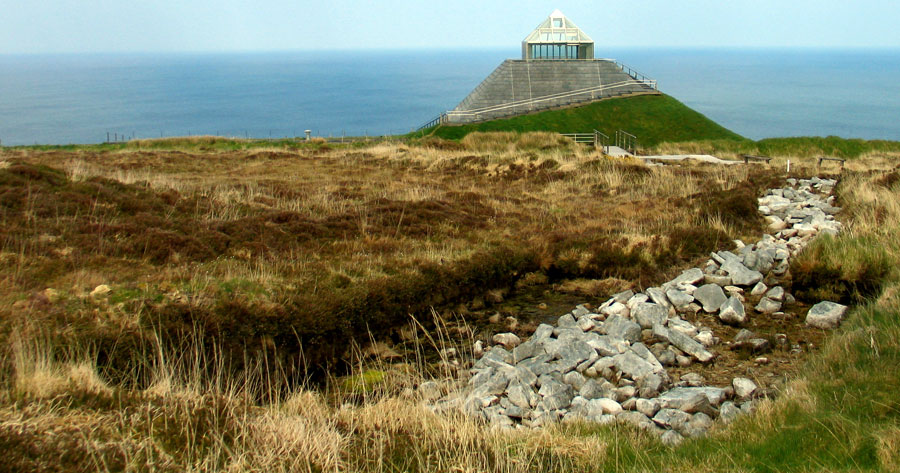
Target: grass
x,y
653,119
235,274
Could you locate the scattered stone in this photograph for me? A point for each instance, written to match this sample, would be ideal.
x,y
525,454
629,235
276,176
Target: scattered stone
x,y
759,289
743,388
679,299
620,327
768,306
728,412
744,334
740,274
478,348
565,372
508,340
732,311
690,346
690,276
648,314
658,296
670,438
585,324
692,379
825,315
753,345
674,419
776,293
710,296
648,407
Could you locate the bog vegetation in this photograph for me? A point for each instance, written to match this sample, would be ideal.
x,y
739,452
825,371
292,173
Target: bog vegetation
x,y
206,305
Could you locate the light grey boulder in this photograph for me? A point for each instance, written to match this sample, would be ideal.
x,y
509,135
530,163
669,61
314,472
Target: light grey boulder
x,y
620,327
690,346
683,326
728,412
522,396
658,296
649,386
642,351
632,365
716,279
565,321
607,345
743,388
670,438
647,314
776,293
759,289
585,324
527,350
543,332
606,406
825,315
677,398
740,274
678,298
768,306
496,357
648,407
674,419
692,379
508,340
616,308
636,419
698,425
732,311
574,379
690,276
596,389
710,296
580,311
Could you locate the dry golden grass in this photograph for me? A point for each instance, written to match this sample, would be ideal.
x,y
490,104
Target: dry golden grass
x,y
394,209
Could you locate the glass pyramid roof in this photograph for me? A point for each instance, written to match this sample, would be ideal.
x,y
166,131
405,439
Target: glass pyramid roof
x,y
557,29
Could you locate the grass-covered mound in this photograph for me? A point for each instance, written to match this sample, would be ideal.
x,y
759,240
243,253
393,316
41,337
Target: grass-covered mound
x,y
652,118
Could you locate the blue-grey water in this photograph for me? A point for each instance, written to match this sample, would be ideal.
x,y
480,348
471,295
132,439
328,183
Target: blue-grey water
x,y
58,99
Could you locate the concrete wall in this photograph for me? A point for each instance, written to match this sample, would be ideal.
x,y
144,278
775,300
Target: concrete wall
x,y
516,80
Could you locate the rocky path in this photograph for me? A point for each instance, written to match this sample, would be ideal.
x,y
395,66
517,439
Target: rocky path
x,y
616,363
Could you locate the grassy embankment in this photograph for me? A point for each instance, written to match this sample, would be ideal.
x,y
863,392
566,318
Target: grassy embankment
x,y
219,263
664,125
652,118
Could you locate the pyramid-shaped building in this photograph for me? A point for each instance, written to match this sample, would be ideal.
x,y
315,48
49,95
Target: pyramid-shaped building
x,y
557,70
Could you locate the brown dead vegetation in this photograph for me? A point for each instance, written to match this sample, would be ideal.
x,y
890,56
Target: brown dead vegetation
x,y
298,252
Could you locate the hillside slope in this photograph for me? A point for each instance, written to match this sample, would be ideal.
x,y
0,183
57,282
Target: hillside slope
x,y
652,118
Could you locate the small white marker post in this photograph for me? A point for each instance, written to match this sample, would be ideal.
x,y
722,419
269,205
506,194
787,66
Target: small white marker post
x,y
789,166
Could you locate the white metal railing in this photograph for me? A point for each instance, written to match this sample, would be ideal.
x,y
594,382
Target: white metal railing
x,y
545,98
636,79
599,139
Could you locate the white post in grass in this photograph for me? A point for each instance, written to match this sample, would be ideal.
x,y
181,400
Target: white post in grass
x,y
789,166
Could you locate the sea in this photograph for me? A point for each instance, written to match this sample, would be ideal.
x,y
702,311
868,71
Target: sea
x,y
89,98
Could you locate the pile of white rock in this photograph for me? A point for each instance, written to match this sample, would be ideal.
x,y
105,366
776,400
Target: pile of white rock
x,y
610,364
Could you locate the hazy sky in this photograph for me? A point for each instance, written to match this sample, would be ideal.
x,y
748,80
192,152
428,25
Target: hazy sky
x,y
49,26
